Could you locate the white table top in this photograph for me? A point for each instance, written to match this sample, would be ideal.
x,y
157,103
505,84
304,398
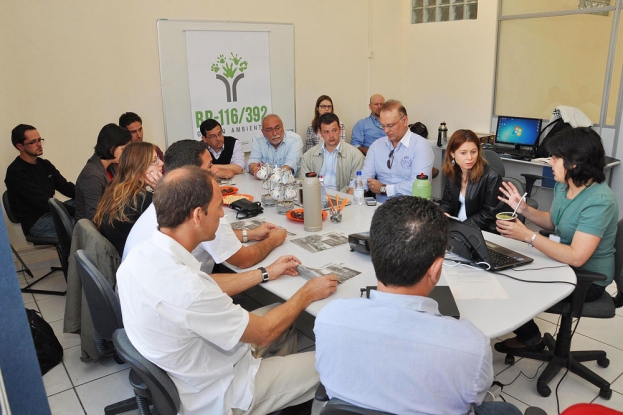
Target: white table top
x,y
493,317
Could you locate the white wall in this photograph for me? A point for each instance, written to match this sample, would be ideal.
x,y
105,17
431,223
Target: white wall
x,y
69,68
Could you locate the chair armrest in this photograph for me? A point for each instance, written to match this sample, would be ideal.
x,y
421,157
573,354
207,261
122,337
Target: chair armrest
x,y
530,179
321,394
588,276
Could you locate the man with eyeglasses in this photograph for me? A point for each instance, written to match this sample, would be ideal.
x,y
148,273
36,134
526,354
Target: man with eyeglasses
x,y
368,130
394,161
31,181
226,151
276,147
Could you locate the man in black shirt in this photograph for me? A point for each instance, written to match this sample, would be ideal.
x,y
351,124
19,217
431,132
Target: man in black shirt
x,y
226,151
31,181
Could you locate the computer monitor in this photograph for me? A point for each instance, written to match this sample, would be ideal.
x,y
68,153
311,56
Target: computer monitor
x,y
518,131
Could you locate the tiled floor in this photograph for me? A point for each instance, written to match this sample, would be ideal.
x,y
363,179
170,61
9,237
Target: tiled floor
x,y
75,387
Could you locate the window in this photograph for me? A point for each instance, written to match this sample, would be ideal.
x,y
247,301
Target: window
x,y
426,11
552,57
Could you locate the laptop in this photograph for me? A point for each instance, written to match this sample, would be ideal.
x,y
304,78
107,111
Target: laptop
x,y
467,242
517,137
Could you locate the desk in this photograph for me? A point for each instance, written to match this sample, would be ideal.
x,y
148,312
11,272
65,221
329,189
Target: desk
x,y
493,317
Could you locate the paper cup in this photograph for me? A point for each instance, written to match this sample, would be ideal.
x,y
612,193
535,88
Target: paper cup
x,y
506,216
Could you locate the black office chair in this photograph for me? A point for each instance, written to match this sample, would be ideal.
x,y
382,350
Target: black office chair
x,y
64,225
160,390
496,163
558,352
106,314
37,241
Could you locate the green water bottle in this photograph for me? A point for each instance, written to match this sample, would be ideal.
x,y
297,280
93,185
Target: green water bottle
x,y
422,187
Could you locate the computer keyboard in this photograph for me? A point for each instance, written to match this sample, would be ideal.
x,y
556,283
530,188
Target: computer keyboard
x,y
515,154
500,259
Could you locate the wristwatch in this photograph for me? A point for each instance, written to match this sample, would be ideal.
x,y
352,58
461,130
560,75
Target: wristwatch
x,y
383,190
264,274
245,236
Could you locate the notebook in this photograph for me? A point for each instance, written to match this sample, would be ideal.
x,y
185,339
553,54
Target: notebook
x,y
467,242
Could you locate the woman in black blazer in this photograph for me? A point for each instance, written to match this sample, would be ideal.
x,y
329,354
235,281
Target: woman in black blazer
x,y
471,187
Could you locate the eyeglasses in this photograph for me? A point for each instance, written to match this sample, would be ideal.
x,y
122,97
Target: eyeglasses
x,y
38,140
390,160
155,161
326,107
215,136
390,126
277,129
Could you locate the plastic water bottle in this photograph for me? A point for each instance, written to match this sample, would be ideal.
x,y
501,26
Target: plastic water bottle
x,y
323,193
359,190
422,187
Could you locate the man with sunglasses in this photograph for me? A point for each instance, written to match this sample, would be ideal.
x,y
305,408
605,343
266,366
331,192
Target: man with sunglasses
x,y
276,147
394,161
31,181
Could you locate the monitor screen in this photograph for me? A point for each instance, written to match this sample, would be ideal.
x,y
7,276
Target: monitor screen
x,y
518,131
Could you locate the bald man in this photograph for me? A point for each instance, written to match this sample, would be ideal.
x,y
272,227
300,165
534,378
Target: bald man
x,y
275,147
368,130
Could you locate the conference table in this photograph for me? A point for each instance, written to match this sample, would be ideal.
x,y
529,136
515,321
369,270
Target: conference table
x,y
495,317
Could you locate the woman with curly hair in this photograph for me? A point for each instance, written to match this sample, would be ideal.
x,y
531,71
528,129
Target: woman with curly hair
x,y
129,193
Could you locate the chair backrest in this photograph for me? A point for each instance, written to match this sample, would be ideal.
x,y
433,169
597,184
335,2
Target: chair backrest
x,y
101,299
7,208
347,409
618,257
64,229
494,161
164,395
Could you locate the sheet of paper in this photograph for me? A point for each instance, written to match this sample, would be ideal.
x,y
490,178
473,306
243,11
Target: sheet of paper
x,y
467,284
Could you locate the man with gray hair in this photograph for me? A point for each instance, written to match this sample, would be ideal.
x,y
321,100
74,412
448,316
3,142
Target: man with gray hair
x,y
394,161
275,147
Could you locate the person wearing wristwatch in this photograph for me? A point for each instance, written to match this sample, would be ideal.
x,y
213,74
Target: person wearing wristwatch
x,y
222,358
394,161
583,216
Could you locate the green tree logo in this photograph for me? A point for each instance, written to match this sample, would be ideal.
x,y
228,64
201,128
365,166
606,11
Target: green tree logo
x,y
230,66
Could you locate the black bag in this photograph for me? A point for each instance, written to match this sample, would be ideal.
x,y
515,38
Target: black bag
x,y
49,350
419,129
557,126
246,208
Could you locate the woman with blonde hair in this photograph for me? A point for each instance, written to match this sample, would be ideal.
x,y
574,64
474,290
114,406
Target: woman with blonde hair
x,y
471,187
324,105
128,195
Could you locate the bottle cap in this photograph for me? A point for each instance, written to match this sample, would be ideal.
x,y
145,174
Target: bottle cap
x,y
311,174
359,173
422,176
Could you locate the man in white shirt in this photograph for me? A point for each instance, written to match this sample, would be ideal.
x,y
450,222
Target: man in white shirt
x,y
394,352
184,321
227,246
226,151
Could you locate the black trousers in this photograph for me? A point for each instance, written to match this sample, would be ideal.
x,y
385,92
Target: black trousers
x,y
529,334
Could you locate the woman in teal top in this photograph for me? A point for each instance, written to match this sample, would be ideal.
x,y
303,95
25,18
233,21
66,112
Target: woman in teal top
x,y
583,217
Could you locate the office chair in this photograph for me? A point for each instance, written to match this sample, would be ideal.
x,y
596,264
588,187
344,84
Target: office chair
x,y
160,391
64,226
558,352
496,163
37,241
106,314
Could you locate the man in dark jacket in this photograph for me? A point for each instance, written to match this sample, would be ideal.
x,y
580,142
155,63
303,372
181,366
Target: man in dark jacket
x,y
31,181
